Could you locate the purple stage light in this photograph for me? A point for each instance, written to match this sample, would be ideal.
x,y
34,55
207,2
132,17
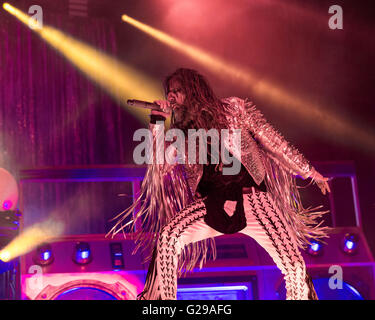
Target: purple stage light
x,y
46,255
7,204
43,255
350,243
315,249
82,254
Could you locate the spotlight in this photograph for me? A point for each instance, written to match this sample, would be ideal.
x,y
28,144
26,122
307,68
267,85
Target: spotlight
x,y
309,112
82,254
43,255
117,79
4,256
350,243
7,204
315,249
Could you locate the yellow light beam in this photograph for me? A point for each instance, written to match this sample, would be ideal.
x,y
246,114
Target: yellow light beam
x,y
51,228
206,59
330,122
31,238
117,79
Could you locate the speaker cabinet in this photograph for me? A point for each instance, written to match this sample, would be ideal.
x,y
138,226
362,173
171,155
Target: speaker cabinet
x,y
111,273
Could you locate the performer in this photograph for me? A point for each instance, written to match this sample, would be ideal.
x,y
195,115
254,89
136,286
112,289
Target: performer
x,y
184,206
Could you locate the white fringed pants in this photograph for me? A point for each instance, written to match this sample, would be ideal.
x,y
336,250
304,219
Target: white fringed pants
x,y
265,224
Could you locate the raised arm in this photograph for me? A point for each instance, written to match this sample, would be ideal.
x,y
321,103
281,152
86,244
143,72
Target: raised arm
x,y
270,139
162,145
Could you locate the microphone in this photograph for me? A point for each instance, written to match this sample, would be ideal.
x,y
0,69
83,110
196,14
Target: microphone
x,y
143,104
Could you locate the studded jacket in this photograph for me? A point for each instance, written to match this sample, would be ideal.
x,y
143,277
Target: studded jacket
x,y
267,156
257,137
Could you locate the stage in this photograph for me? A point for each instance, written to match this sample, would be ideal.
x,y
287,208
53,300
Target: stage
x,y
74,152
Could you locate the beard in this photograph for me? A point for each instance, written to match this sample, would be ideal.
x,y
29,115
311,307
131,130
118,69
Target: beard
x,y
183,119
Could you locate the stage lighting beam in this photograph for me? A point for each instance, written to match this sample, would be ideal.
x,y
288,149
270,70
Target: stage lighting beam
x,y
332,124
31,238
117,79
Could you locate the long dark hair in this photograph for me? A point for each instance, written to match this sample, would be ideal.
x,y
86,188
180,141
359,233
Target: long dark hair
x,y
202,108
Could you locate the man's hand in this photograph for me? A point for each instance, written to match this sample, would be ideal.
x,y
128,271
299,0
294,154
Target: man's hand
x,y
165,106
321,182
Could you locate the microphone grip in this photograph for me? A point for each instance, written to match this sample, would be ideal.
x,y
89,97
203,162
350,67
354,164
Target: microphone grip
x,y
143,104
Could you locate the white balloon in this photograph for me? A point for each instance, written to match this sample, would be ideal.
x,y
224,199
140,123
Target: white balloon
x,y
8,191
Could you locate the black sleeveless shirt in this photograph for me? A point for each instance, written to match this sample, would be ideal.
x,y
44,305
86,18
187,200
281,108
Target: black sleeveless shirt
x,y
217,189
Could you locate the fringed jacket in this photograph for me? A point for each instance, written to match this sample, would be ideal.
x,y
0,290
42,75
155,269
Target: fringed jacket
x,y
265,154
258,140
